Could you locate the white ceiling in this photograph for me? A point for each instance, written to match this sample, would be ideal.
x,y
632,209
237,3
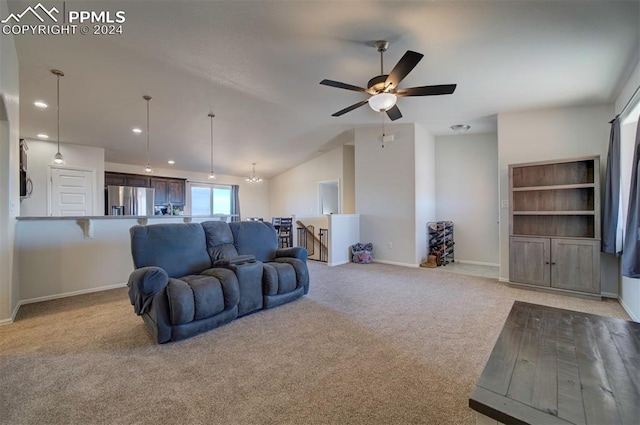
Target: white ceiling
x,y
257,65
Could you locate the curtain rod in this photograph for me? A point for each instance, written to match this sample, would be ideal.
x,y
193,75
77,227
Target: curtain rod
x,y
629,101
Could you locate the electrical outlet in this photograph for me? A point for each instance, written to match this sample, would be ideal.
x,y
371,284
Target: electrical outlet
x,y
390,245
504,203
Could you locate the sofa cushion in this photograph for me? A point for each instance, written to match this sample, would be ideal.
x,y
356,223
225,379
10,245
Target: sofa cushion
x,y
219,240
180,249
255,238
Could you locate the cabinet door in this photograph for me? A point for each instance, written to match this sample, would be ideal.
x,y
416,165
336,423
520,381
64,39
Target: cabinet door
x,y
529,261
114,179
575,265
160,185
175,191
137,181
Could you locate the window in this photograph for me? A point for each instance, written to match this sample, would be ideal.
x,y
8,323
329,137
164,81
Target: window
x,y
210,199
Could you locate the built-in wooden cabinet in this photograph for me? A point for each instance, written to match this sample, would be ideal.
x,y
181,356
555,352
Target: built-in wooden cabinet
x,y
555,225
167,190
121,179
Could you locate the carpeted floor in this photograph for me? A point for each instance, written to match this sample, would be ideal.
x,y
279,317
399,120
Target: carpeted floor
x,y
369,344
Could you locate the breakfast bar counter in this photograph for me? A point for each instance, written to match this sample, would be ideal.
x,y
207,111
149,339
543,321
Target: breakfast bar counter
x,y
553,366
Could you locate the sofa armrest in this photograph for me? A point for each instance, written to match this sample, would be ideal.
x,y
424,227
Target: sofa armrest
x,y
293,252
144,283
239,259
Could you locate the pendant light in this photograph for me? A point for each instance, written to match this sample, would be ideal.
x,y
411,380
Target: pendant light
x,y
254,178
212,176
58,159
148,168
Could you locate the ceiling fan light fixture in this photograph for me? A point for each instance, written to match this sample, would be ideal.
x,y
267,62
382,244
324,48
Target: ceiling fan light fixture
x,y
382,101
460,128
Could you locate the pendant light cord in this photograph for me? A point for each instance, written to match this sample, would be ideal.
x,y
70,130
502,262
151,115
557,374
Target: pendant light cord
x,y
211,116
58,106
148,155
382,122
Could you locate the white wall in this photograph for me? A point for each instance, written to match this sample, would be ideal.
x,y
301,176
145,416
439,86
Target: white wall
x,y
349,179
425,189
467,193
344,231
295,192
9,167
629,288
549,134
39,161
254,197
385,193
56,260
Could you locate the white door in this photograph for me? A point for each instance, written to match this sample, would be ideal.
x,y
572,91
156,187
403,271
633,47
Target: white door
x,y
71,192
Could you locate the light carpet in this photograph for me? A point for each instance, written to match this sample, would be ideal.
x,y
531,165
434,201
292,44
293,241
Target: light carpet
x,y
369,344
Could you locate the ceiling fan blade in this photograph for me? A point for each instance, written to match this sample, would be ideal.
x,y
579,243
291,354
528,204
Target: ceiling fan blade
x,y
340,85
350,108
394,113
403,68
427,90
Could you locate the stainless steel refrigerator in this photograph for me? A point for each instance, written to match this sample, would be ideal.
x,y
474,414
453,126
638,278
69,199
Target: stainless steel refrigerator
x,y
126,200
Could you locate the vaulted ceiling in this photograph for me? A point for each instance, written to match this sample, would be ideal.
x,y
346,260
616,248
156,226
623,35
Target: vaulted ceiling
x,y
257,65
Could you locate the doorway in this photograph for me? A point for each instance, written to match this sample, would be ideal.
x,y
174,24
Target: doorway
x,y
329,195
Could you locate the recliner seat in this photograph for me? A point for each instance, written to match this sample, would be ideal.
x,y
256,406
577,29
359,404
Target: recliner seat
x,y
194,277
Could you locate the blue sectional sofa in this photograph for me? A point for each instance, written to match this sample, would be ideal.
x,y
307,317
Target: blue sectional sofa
x,y
194,277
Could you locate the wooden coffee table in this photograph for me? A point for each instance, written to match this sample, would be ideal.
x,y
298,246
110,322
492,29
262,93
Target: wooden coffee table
x,y
553,366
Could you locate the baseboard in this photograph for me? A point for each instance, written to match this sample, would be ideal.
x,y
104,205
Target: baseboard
x,y
395,263
339,263
503,279
628,310
609,295
477,263
72,294
13,316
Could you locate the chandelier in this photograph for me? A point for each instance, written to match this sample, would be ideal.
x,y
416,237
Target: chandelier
x,y
253,178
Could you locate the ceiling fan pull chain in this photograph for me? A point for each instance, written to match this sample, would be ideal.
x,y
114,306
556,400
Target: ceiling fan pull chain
x,y
382,122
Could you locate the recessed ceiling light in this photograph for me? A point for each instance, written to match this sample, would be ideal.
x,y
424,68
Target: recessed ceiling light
x,y
171,161
137,130
43,136
40,104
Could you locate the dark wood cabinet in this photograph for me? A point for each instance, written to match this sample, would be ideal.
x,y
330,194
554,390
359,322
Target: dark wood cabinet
x,y
160,185
175,192
122,179
166,189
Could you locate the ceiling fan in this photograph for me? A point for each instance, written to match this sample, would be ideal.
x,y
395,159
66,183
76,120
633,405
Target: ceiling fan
x,y
384,89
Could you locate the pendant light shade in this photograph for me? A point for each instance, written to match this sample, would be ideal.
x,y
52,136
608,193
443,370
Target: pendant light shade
x,y
212,176
148,168
58,158
253,178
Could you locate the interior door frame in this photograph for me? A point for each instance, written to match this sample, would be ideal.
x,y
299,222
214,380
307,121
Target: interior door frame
x,y
93,171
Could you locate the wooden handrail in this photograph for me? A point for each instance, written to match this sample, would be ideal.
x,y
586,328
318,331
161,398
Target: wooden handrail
x,y
301,224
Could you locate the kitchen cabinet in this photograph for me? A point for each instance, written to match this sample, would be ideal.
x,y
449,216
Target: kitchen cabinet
x,y
167,190
122,179
554,225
